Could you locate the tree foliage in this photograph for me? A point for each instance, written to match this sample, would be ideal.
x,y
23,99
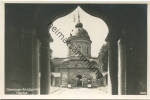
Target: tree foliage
x,y
103,57
95,68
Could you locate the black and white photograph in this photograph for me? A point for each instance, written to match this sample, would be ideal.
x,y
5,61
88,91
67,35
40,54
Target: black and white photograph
x,y
75,50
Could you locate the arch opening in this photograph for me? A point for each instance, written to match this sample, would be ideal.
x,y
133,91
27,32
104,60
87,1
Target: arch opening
x,y
77,24
79,80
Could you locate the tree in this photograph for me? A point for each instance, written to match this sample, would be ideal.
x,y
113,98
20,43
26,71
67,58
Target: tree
x,y
103,57
95,68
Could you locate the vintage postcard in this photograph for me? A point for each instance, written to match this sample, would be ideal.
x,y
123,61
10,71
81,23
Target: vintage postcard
x,y
75,50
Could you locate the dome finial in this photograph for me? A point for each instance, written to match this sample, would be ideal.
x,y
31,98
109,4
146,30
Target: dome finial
x,y
78,16
79,24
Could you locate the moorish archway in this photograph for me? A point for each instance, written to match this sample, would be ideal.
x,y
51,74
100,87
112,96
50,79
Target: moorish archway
x,y
112,39
98,11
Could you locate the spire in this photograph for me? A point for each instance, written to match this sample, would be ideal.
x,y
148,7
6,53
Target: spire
x,y
78,16
79,24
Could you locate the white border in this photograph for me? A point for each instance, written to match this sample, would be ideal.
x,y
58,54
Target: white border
x,y
1,48
2,17
79,1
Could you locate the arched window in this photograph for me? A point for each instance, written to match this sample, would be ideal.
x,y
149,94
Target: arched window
x,y
87,50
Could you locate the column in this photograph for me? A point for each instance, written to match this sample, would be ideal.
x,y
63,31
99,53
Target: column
x,y
113,65
44,67
122,66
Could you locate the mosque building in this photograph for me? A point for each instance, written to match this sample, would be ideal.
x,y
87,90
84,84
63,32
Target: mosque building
x,y
71,70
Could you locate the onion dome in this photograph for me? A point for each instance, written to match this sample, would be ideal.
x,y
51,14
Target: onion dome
x,y
79,32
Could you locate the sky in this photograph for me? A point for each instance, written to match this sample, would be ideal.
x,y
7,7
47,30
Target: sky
x,y
96,28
